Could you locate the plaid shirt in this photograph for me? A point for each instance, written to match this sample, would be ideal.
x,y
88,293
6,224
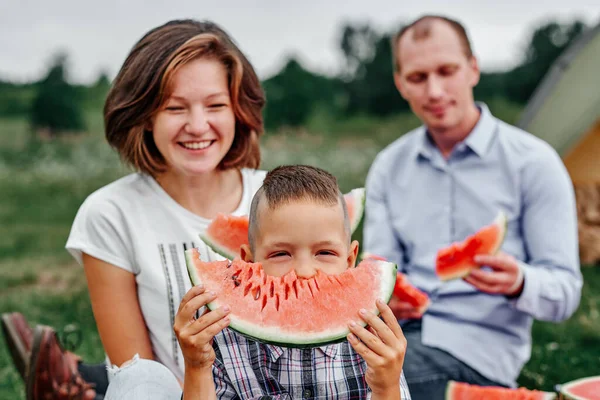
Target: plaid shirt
x,y
245,369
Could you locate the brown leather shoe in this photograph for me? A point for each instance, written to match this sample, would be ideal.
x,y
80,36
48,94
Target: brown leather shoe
x,y
52,372
19,339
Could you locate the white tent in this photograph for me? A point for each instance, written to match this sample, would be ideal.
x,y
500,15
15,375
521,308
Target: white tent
x,y
564,110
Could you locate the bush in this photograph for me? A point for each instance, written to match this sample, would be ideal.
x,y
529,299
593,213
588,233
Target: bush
x,y
57,104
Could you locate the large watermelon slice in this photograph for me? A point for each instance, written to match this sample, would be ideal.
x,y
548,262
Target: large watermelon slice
x,y
291,311
581,389
403,289
226,233
456,261
465,391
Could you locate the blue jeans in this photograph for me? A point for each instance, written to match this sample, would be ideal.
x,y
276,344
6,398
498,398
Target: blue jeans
x,y
142,380
428,369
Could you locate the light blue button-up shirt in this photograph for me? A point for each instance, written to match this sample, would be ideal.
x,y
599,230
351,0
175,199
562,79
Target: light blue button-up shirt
x,y
418,202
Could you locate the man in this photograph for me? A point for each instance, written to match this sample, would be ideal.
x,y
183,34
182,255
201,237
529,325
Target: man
x,y
442,182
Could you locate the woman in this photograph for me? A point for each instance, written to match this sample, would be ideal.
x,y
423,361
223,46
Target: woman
x,y
185,111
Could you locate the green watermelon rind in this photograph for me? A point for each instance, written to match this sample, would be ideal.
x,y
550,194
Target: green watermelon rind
x,y
565,388
502,222
450,386
359,195
302,340
217,248
448,392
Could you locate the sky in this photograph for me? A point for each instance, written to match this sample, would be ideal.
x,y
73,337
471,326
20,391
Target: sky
x,y
97,35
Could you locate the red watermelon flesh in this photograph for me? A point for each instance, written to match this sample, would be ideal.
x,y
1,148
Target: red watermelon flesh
x,y
465,391
226,233
457,260
582,389
404,291
291,311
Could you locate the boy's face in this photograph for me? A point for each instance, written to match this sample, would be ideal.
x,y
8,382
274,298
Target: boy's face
x,y
302,235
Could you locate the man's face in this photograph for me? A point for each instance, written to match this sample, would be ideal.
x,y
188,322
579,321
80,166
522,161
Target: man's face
x,y
436,77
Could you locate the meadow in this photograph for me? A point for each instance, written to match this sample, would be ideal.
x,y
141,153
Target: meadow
x,y
43,183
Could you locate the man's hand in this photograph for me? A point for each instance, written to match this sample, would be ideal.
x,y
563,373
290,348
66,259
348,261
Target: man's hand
x,y
505,278
403,309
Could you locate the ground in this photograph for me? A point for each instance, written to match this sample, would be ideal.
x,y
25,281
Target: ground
x,y
43,184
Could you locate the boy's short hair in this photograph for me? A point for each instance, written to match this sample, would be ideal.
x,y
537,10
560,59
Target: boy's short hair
x,y
289,183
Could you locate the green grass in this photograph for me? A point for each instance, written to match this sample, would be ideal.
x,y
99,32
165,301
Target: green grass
x,y
43,184
569,350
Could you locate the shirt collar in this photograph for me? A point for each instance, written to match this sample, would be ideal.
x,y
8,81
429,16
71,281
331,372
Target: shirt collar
x,y
425,146
275,352
481,136
478,140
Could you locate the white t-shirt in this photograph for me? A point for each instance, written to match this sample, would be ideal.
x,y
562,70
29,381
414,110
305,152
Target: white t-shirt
x,y
134,224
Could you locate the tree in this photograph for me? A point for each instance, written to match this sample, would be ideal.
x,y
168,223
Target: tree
x,y
357,44
57,105
369,72
547,43
96,93
294,93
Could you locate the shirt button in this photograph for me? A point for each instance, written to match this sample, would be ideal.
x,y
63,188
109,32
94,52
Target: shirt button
x,y
307,393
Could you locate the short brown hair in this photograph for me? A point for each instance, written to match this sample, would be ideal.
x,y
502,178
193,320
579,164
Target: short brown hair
x,y
421,29
290,183
142,86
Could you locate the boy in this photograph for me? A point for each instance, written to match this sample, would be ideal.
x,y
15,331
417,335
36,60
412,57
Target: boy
x,y
298,220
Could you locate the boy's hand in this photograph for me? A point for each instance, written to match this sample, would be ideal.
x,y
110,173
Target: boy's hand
x,y
382,346
195,335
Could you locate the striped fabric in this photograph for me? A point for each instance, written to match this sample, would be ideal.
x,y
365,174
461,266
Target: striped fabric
x,y
245,369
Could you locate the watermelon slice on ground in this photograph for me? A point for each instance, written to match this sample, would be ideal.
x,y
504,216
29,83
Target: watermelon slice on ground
x,y
226,233
465,391
456,261
581,389
290,311
403,289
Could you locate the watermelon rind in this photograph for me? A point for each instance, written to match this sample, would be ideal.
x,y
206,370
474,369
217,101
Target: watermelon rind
x,y
549,396
302,340
449,395
565,389
502,222
220,250
359,197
